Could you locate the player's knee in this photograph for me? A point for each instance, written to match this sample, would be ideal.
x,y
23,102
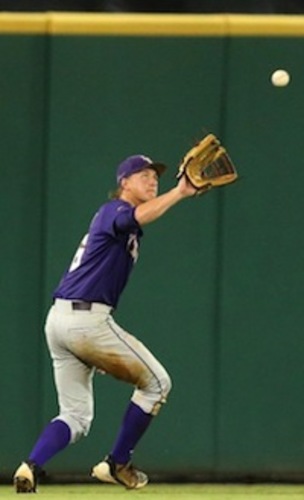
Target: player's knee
x,y
154,395
166,386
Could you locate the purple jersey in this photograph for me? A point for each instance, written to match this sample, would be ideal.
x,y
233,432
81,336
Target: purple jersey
x,y
103,262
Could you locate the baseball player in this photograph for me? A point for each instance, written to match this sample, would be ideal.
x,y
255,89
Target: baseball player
x,y
83,337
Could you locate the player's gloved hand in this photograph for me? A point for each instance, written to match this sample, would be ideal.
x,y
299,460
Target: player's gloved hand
x,y
185,187
207,165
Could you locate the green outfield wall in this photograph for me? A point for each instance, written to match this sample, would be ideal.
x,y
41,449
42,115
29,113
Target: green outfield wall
x,y
217,293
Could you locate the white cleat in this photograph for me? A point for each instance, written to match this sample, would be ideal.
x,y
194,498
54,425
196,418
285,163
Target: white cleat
x,y
25,478
102,472
108,471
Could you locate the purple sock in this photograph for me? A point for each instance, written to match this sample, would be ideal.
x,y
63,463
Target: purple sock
x,y
134,424
54,438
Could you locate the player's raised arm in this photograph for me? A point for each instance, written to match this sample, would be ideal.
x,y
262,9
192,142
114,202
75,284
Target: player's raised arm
x,y
138,180
153,209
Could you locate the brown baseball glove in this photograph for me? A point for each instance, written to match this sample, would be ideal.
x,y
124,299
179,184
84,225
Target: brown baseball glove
x,y
208,165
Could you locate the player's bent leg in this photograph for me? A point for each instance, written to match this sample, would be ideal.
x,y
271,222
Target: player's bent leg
x,y
145,404
126,358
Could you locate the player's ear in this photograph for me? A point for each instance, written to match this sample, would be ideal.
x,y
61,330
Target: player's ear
x,y
123,183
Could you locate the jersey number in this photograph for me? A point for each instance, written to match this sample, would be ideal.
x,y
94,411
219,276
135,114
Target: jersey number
x,y
79,253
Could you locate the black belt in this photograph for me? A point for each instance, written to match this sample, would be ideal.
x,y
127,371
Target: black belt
x,y
81,306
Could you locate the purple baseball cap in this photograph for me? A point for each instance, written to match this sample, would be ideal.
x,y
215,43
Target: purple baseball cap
x,y
136,163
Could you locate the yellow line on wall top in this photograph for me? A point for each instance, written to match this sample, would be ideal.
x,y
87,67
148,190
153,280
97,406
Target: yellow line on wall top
x,y
85,24
23,23
261,25
139,24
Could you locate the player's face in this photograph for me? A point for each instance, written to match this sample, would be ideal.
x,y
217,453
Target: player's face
x,y
141,186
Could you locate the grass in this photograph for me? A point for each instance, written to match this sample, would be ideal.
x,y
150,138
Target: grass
x,y
165,491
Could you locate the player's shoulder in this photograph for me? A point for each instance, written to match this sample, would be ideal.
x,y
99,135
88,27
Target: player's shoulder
x,y
116,205
112,208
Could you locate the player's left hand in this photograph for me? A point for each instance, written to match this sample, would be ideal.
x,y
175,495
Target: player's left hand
x,y
185,187
207,165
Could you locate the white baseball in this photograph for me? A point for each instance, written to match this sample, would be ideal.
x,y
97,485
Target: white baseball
x,y
280,78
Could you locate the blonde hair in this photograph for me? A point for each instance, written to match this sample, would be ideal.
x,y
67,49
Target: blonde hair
x,y
115,194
